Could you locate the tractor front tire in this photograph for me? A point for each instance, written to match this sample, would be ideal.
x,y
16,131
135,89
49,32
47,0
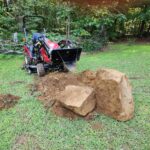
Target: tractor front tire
x,y
26,64
40,70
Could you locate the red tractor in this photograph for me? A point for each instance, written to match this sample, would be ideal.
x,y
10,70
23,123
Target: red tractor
x,y
44,55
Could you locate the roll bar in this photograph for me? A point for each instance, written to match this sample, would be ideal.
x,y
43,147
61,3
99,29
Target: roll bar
x,y
25,19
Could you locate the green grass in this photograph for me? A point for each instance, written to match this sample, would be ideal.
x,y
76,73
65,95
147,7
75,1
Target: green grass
x,y
47,132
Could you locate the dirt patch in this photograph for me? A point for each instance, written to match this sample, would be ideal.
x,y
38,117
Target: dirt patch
x,y
33,88
26,141
96,126
17,82
8,101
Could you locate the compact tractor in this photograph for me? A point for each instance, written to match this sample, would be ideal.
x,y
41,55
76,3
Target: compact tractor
x,y
42,54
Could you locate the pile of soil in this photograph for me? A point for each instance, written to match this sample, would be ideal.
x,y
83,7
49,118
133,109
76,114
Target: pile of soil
x,y
53,84
112,94
8,101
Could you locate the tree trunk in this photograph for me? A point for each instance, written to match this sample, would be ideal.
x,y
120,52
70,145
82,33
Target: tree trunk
x,y
143,22
6,3
142,28
148,30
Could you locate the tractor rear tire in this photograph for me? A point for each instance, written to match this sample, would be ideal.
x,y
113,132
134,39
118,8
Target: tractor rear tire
x,y
40,70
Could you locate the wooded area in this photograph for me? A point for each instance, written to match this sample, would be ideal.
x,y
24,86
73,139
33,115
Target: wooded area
x,y
97,21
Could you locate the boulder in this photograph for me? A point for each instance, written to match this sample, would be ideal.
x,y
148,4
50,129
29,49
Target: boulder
x,y
59,110
114,94
79,99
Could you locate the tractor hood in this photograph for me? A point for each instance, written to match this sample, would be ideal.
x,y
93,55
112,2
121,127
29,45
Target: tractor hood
x,y
51,45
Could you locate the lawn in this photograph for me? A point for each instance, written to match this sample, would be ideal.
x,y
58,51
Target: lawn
x,y
30,126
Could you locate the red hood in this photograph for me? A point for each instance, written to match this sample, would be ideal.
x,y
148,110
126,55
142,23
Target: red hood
x,y
51,45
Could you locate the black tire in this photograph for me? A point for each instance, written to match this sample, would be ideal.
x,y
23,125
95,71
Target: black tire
x,y
27,62
29,71
40,70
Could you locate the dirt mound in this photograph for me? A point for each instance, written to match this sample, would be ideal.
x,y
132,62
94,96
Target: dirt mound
x,y
8,101
66,95
88,77
52,84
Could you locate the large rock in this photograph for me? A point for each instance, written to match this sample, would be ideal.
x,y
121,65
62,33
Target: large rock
x,y
114,94
79,99
59,110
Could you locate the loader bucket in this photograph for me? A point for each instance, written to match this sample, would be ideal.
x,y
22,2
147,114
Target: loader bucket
x,y
60,56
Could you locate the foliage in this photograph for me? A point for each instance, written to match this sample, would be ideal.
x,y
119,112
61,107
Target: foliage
x,y
98,24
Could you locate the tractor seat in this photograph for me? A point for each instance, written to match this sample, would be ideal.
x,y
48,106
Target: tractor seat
x,y
36,37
